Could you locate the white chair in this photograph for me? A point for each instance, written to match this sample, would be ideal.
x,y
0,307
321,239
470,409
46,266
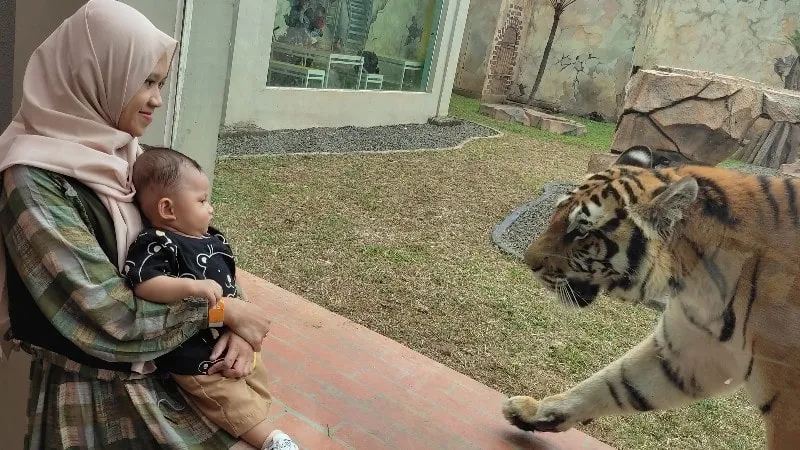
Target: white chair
x,y
349,60
306,74
372,78
409,65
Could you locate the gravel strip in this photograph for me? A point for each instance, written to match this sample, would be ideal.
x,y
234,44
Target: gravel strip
x,y
528,221
238,141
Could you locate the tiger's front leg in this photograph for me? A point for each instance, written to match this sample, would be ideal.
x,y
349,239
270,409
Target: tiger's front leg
x,y
641,380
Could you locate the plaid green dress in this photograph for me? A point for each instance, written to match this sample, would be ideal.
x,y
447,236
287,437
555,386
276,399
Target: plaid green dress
x,y
51,238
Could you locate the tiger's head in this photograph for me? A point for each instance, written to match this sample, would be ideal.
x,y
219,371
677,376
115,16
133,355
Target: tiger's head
x,y
606,235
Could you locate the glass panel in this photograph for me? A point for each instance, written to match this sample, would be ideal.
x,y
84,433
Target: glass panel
x,y
353,44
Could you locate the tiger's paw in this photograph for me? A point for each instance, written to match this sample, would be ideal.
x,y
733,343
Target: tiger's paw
x,y
529,414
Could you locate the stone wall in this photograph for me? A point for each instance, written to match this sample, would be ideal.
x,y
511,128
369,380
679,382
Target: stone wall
x,y
600,42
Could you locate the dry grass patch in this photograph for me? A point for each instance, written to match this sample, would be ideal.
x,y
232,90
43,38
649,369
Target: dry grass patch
x,y
400,243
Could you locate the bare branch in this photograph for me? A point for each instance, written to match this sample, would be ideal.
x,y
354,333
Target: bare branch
x,y
565,4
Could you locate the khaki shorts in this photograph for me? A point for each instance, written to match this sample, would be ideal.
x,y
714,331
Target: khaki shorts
x,y
235,405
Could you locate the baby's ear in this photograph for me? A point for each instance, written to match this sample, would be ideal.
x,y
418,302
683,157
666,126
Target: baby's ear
x,y
658,217
638,155
166,209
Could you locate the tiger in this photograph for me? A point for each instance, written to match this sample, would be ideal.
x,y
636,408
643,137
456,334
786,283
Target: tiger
x,y
719,249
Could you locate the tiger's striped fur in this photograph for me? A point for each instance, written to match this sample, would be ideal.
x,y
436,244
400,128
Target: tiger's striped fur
x,y
722,249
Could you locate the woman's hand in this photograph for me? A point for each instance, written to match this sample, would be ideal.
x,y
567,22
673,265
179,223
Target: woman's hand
x,y
247,320
239,355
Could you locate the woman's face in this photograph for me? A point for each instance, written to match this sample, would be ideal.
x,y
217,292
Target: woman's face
x,y
138,113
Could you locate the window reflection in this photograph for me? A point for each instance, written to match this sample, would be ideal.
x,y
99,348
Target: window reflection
x,y
352,44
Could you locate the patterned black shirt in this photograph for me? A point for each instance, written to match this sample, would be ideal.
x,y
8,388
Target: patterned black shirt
x,y
158,252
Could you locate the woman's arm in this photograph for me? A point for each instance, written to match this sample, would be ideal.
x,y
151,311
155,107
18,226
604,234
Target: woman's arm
x,y
72,280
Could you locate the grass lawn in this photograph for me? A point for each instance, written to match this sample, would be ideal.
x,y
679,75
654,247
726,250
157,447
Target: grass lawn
x,y
400,243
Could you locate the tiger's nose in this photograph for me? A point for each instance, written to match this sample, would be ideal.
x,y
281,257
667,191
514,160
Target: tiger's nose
x,y
533,259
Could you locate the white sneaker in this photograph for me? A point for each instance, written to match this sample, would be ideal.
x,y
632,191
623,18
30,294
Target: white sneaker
x,y
278,440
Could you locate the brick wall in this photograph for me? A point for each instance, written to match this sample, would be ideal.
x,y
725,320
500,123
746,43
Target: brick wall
x,y
505,50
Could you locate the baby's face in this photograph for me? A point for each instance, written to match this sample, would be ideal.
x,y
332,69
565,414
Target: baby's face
x,y
191,204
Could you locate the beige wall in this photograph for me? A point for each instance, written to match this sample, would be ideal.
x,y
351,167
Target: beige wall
x,y
7,18
36,19
733,37
591,57
203,79
250,101
476,46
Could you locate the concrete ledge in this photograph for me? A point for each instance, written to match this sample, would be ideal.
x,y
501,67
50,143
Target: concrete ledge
x,y
532,118
338,385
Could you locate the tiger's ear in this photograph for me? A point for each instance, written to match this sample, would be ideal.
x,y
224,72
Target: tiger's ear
x,y
657,218
638,155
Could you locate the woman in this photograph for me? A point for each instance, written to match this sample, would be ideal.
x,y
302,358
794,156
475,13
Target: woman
x,y
66,220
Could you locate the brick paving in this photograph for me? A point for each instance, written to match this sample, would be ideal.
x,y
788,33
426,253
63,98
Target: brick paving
x,y
338,385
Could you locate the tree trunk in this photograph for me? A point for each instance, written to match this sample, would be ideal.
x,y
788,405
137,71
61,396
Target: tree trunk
x,y
778,145
547,47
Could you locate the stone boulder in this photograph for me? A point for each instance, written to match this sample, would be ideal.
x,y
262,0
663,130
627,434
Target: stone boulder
x,y
508,113
561,126
599,162
702,115
791,170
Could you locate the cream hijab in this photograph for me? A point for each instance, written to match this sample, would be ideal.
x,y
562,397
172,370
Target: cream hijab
x,y
76,84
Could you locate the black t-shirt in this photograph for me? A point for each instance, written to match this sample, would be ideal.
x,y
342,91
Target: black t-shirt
x,y
159,252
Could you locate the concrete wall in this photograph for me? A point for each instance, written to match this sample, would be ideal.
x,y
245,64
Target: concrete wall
x,y
591,57
512,32
476,46
7,18
203,79
598,43
733,37
36,19
250,101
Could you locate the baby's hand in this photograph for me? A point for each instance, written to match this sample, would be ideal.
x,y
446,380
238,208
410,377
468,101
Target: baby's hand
x,y
208,289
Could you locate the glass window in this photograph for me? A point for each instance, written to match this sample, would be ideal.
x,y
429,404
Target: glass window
x,y
353,44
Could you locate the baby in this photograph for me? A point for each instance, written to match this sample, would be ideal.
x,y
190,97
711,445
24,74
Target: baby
x,y
177,256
